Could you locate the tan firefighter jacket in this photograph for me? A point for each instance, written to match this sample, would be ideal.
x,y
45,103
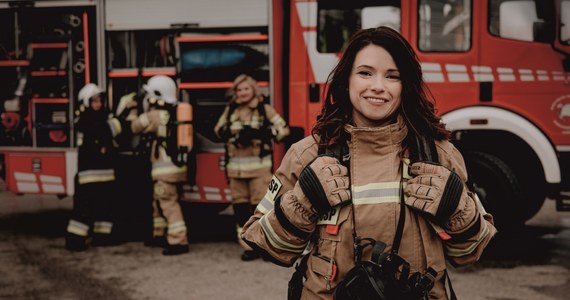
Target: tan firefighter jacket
x,y
375,174
155,122
255,160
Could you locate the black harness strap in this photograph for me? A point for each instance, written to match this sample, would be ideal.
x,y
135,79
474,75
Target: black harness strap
x,y
265,125
232,106
401,221
424,149
295,286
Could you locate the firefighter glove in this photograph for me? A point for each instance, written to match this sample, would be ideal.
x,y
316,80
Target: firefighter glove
x,y
224,133
439,193
126,104
325,183
246,135
265,134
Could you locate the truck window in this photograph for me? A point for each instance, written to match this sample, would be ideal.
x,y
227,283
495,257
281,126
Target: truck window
x,y
339,19
444,25
565,22
516,20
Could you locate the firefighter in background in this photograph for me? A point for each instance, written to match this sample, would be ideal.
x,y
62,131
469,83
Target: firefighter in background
x,y
248,127
95,180
168,169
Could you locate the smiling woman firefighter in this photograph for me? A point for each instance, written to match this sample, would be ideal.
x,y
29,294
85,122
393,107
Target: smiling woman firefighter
x,y
376,199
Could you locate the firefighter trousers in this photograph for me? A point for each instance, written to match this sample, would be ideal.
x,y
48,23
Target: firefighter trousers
x,y
92,206
167,214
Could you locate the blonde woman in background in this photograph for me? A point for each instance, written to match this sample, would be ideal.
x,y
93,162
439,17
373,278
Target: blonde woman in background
x,y
248,128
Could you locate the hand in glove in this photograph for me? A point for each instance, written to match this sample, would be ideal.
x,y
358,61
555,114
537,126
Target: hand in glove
x,y
268,134
224,133
126,104
439,193
325,183
245,136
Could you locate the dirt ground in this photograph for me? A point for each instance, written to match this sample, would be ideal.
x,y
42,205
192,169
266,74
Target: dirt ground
x,y
34,264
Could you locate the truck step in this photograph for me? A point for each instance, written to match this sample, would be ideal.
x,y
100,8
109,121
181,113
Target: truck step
x,y
563,201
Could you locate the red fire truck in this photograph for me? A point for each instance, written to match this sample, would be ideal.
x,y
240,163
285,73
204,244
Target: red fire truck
x,y
499,70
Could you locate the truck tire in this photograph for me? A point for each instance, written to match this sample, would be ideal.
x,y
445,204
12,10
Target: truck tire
x,y
498,189
533,188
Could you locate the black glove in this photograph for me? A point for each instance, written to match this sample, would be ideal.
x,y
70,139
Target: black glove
x,y
266,134
225,133
245,136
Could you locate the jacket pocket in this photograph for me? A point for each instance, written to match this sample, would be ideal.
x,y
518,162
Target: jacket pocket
x,y
325,271
324,259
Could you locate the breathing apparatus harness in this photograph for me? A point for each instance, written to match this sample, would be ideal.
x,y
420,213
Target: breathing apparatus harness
x,y
179,154
245,136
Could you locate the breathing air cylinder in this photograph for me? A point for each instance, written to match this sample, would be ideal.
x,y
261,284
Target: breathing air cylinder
x,y
185,131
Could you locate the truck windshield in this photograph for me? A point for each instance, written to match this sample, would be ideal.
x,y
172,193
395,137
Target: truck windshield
x,y
520,20
339,19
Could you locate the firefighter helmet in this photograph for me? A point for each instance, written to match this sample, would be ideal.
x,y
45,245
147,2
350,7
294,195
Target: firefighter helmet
x,y
87,92
161,87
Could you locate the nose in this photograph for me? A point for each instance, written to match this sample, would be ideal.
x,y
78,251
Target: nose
x,y
377,84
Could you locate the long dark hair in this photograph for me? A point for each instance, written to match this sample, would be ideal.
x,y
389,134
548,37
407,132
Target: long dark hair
x,y
417,106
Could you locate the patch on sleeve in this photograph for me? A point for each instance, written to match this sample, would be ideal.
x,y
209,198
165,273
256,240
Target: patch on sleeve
x,y
330,218
273,188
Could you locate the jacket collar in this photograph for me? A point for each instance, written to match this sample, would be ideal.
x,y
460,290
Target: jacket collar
x,y
379,137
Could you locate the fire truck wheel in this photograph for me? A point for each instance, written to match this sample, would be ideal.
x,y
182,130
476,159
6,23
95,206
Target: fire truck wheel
x,y
498,188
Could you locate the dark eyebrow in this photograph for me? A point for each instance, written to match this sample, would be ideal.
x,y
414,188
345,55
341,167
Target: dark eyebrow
x,y
372,68
363,66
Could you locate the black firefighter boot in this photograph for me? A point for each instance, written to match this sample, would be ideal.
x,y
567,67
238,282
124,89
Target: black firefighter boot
x,y
248,255
75,242
242,213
